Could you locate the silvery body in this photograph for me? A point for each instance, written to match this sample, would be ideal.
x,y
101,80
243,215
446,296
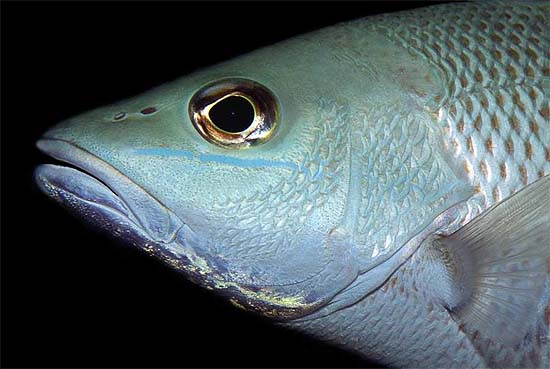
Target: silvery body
x,y
399,208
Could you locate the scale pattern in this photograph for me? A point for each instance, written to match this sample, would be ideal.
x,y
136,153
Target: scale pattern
x,y
402,326
404,181
398,326
495,112
266,222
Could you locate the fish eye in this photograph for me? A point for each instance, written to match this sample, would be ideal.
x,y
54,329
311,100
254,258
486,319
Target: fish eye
x,y
234,113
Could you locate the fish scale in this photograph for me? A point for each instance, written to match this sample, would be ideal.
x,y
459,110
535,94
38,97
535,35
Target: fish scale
x,y
494,57
318,173
429,335
425,341
495,117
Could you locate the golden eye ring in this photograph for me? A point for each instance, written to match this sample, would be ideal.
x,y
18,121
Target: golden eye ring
x,y
263,102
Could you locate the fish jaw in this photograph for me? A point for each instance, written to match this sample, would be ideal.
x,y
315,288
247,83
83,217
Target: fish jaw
x,y
109,200
71,186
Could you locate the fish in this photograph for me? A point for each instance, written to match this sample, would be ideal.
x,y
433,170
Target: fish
x,y
380,184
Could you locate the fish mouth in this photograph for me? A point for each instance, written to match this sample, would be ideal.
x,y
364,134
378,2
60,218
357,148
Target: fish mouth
x,y
102,194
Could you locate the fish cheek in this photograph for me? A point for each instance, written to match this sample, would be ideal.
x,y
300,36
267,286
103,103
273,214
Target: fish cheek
x,y
275,241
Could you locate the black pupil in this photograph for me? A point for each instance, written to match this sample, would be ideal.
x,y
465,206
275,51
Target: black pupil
x,y
232,114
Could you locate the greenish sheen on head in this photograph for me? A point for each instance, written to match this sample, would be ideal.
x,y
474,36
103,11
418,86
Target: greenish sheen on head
x,y
274,217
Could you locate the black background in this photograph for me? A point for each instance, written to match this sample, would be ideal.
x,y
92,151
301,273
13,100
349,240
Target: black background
x,y
71,296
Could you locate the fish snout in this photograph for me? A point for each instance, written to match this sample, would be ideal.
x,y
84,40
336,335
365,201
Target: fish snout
x,y
90,181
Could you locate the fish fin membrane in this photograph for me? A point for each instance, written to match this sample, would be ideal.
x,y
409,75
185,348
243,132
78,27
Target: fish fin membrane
x,y
498,265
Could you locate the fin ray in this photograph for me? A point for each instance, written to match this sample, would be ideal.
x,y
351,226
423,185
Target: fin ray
x,y
497,265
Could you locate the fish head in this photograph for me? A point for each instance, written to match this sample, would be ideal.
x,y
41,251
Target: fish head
x,y
239,174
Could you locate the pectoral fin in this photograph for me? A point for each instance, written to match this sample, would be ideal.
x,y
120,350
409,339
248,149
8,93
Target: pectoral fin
x,y
491,273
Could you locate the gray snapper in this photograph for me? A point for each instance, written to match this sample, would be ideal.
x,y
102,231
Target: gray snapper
x,y
382,184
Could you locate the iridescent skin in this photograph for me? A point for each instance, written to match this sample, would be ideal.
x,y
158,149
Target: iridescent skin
x,y
392,128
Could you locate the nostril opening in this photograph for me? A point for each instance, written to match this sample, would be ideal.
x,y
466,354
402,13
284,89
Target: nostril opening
x,y
149,110
119,116
123,115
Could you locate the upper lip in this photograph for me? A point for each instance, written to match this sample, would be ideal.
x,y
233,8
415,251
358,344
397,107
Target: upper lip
x,y
154,218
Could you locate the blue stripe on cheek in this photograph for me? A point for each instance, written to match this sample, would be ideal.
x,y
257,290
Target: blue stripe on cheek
x,y
245,163
221,159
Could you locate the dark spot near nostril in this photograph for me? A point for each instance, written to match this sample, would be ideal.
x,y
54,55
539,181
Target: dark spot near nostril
x,y
119,116
149,110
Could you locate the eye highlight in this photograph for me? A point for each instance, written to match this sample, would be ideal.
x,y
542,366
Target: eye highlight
x,y
234,113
